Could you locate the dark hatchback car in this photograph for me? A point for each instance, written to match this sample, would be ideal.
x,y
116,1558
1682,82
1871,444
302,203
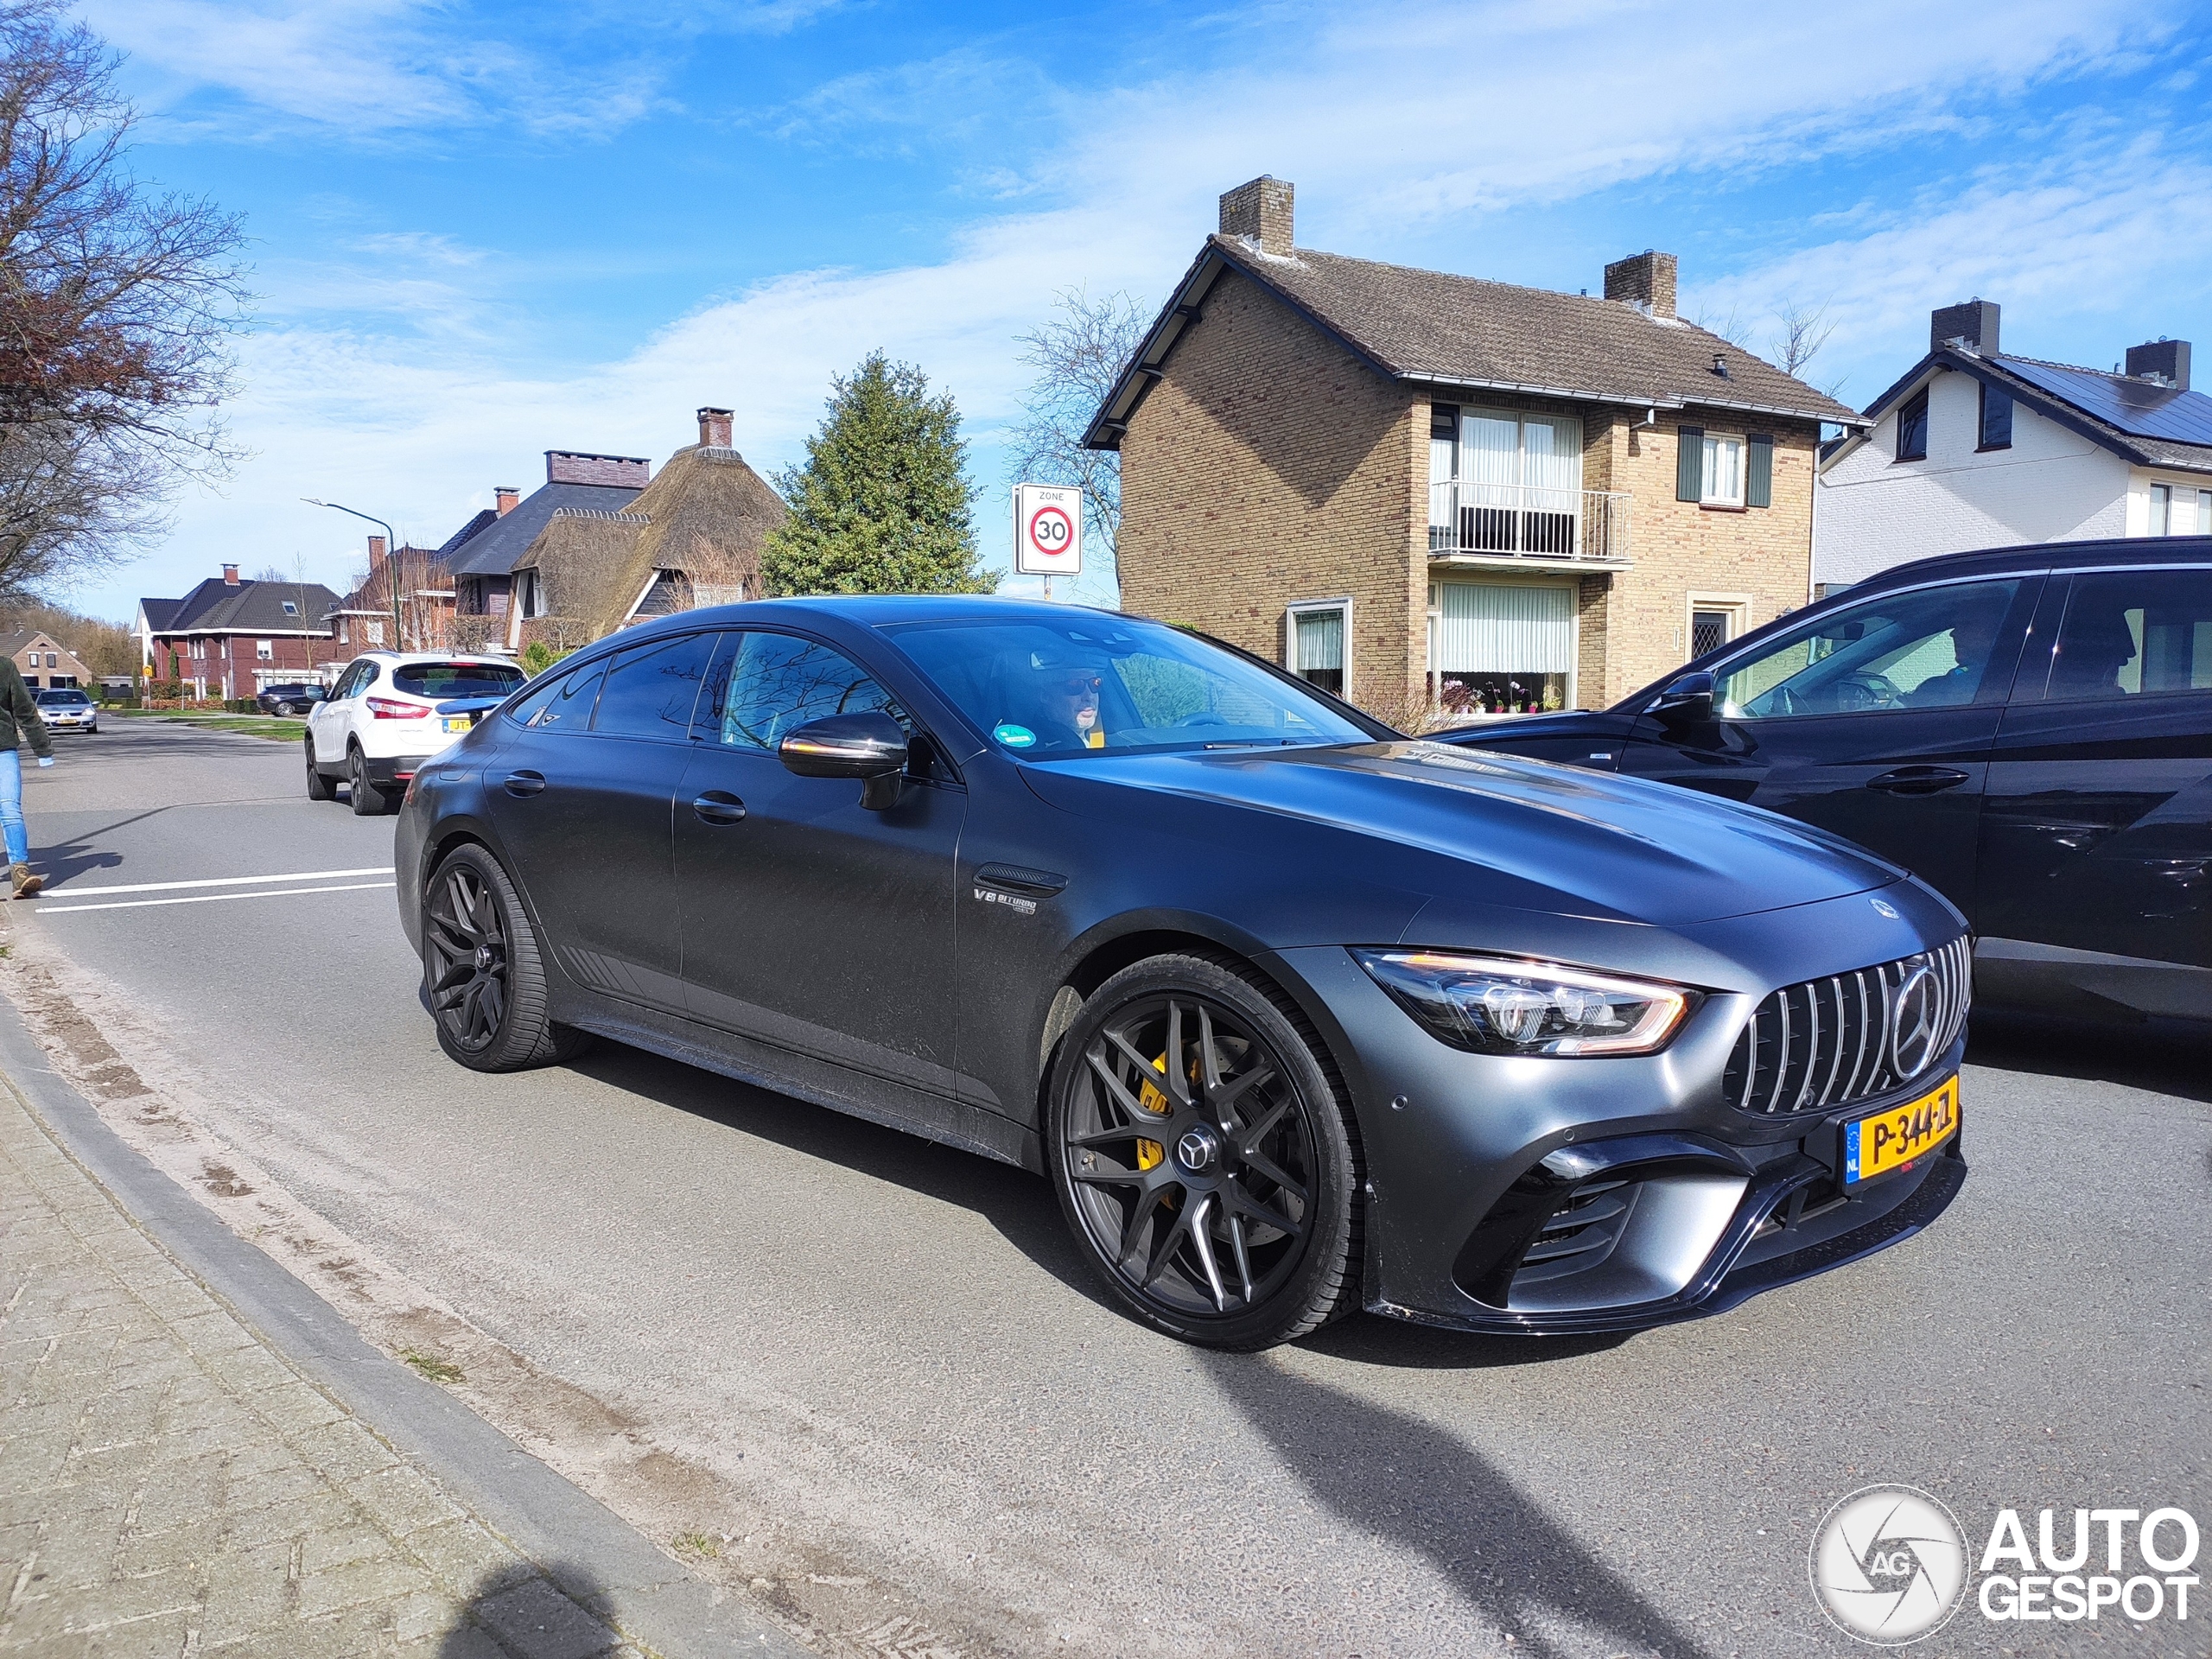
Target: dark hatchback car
x,y
2029,730
1298,1015
293,699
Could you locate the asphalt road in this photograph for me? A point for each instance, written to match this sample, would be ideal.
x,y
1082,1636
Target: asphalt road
x,y
877,1365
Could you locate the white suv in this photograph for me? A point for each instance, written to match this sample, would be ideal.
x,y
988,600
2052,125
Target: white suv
x,y
381,720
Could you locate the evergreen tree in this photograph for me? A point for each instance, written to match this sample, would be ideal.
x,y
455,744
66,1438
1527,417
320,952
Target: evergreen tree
x,y
880,505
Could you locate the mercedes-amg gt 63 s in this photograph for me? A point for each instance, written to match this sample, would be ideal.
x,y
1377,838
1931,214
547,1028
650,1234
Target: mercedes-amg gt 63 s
x,y
1298,1015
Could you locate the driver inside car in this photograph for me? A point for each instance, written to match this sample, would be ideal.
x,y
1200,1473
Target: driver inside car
x,y
1973,637
1062,691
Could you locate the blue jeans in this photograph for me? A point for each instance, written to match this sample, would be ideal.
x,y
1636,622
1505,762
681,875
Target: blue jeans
x,y
11,806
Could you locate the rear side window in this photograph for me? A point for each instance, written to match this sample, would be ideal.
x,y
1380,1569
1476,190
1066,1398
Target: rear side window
x,y
650,691
772,683
444,680
564,702
2134,633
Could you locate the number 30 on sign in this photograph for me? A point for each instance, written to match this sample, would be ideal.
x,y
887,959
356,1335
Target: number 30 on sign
x,y
1047,531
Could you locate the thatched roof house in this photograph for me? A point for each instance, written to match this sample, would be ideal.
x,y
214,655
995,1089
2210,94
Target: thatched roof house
x,y
691,536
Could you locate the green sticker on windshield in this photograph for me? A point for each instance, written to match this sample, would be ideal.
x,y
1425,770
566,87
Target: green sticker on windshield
x,y
1014,737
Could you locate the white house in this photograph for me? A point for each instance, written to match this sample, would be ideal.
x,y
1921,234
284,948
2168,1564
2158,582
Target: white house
x,y
1974,448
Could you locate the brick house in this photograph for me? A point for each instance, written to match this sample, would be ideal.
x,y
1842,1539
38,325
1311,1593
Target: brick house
x,y
1428,490
44,660
1976,447
405,602
481,556
228,637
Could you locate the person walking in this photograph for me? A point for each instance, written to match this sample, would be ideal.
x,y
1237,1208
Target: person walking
x,y
19,719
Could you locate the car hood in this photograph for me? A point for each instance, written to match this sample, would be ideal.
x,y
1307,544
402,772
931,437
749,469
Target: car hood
x,y
1525,834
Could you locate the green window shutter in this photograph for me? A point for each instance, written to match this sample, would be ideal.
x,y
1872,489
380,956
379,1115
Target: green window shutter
x,y
1759,471
1689,465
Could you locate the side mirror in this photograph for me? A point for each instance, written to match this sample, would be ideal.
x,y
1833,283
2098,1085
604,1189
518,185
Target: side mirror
x,y
1687,702
870,747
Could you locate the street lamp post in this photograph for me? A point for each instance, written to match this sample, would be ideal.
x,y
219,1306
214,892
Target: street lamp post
x,y
392,561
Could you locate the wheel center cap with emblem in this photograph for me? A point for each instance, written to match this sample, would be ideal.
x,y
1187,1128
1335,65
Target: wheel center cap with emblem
x,y
1198,1151
1913,1023
484,957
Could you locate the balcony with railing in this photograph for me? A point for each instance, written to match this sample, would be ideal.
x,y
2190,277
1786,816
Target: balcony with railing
x,y
1528,521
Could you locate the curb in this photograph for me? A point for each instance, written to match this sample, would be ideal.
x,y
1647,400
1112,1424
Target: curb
x,y
646,1596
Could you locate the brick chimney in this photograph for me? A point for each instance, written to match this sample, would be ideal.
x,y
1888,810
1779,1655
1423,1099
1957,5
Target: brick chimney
x,y
376,553
504,496
574,467
2160,360
1972,325
1261,212
230,576
1646,279
714,428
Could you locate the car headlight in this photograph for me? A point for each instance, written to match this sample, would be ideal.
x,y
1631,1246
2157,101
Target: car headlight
x,y
1498,1005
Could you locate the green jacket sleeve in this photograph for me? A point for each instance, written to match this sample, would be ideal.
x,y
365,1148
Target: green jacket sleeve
x,y
22,709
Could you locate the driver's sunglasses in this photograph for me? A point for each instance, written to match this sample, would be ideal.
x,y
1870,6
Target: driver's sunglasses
x,y
1078,684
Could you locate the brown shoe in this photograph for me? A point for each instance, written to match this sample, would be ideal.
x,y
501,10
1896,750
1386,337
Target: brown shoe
x,y
26,883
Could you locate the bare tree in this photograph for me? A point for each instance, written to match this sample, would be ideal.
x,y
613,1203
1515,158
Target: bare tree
x,y
1079,355
1804,330
1730,327
116,306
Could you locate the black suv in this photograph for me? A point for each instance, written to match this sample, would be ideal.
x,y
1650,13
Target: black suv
x,y
2027,729
290,699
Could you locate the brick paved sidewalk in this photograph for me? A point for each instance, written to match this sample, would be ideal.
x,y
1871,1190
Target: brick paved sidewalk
x,y
171,1485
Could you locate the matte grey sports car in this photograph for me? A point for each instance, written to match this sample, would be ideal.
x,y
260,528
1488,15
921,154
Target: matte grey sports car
x,y
1298,1015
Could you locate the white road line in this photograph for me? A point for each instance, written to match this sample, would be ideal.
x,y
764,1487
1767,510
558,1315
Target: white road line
x,y
209,897
220,881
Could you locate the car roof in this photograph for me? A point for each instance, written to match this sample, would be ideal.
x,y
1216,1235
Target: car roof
x,y
401,659
2038,556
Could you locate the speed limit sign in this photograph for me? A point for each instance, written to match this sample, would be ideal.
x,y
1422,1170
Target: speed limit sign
x,y
1047,531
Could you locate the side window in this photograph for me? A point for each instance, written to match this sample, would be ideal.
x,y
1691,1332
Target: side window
x,y
770,684
2135,633
564,702
1926,649
650,691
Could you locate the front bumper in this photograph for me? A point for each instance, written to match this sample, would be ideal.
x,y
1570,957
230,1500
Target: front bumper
x,y
1552,1196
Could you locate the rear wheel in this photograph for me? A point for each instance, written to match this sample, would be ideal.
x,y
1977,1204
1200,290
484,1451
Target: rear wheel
x,y
367,798
1205,1157
483,972
320,788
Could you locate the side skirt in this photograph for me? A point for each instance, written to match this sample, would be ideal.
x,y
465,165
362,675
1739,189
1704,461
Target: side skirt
x,y
934,1117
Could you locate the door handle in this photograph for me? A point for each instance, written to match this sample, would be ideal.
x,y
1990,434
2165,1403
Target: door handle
x,y
1917,780
719,807
523,784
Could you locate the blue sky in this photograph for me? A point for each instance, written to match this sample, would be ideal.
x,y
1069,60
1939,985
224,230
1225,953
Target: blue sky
x,y
481,232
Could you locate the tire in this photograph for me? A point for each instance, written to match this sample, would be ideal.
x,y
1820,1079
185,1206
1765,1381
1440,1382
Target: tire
x,y
1236,1238
284,708
320,788
367,799
483,973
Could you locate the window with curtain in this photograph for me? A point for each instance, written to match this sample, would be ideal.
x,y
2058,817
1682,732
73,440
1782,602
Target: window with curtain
x,y
1505,648
1722,476
1518,483
1317,646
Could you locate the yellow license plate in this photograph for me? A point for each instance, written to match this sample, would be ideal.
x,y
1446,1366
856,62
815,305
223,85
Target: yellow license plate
x,y
458,722
1892,1140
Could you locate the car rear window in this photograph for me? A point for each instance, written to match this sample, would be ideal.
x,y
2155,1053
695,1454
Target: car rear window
x,y
456,679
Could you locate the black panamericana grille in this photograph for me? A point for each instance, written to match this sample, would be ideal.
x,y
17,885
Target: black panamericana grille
x,y
1828,1042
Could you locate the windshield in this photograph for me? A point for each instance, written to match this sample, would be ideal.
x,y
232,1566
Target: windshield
x,y
69,697
1092,684
456,679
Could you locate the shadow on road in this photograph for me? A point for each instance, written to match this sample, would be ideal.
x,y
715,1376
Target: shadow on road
x,y
2166,1058
1423,1491
1018,1204
519,1613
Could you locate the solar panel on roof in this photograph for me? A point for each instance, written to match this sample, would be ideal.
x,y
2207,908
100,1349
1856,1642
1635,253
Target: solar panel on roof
x,y
2137,407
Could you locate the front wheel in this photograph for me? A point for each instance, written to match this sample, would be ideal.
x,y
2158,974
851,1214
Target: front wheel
x,y
483,973
1205,1157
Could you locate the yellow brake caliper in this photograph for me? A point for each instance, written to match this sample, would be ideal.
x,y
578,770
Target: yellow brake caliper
x,y
1150,1153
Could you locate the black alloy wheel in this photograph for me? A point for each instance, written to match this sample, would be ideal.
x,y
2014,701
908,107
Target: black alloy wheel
x,y
320,788
482,973
1201,1151
367,798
